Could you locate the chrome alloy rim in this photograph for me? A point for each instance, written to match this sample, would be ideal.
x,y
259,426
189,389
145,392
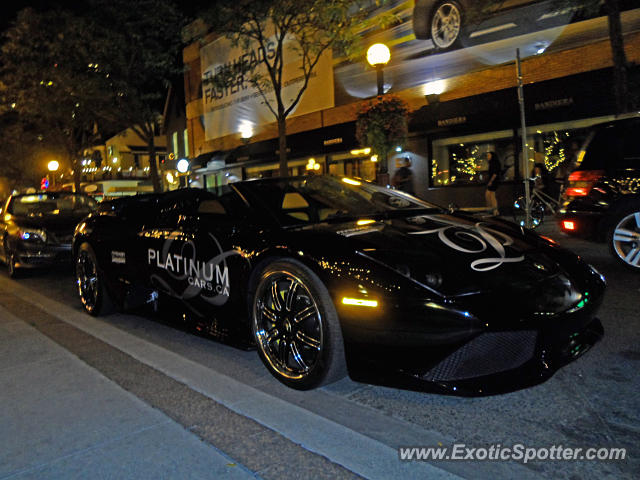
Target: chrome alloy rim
x,y
87,279
446,25
626,239
288,325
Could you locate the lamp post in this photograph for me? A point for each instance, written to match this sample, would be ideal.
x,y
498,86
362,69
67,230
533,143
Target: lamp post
x,y
53,166
378,56
183,167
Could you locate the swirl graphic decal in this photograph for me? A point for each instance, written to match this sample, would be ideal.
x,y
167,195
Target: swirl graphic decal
x,y
209,279
482,238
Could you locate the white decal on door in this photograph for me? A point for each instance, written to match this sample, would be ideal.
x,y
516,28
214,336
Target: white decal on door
x,y
207,278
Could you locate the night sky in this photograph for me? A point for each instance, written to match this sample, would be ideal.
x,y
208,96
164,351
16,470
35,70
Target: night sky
x,y
9,8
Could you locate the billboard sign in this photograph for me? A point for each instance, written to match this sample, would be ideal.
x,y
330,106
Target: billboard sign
x,y
238,107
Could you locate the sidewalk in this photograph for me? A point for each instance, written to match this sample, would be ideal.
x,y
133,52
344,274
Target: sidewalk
x,y
60,418
80,398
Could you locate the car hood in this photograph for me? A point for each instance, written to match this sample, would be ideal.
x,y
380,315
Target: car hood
x,y
463,256
60,223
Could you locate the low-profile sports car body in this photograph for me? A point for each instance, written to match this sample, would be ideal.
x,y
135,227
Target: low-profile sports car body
x,y
325,274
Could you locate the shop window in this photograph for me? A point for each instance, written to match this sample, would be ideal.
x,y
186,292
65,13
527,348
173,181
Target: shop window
x,y
174,143
463,160
556,147
185,135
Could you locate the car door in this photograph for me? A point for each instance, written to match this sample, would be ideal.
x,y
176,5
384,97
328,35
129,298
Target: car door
x,y
164,241
218,268
197,254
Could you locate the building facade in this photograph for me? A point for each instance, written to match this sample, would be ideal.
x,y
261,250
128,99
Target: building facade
x,y
566,69
123,156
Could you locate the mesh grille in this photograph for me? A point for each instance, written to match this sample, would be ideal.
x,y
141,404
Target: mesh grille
x,y
486,354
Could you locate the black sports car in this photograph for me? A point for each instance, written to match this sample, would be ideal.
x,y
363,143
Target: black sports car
x,y
37,228
602,199
325,274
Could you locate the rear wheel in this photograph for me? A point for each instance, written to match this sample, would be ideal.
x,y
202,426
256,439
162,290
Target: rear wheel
x,y
91,284
520,212
624,237
296,327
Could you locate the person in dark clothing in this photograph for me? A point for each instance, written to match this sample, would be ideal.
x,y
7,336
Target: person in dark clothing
x,y
403,178
494,180
540,177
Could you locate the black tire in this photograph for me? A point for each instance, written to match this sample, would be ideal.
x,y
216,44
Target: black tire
x,y
90,280
296,327
12,269
624,236
441,22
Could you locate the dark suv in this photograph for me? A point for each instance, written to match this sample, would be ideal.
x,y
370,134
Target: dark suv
x,y
602,199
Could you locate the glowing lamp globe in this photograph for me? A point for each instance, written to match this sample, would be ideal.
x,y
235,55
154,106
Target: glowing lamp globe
x,y
378,54
183,165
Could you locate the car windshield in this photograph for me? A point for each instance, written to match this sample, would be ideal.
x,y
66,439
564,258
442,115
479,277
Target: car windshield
x,y
316,199
50,204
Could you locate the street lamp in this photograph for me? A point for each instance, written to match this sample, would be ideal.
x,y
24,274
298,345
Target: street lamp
x,y
378,56
183,165
53,166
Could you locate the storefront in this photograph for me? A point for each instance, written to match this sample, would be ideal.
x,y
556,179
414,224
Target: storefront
x,y
455,137
448,142
332,150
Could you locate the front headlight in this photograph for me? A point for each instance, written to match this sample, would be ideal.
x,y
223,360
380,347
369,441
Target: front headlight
x,y
33,235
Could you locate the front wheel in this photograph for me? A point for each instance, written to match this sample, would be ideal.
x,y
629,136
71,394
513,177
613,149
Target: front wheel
x,y
12,269
624,238
296,327
445,24
91,283
440,21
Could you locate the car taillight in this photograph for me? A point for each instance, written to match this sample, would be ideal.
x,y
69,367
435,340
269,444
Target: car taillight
x,y
568,225
582,181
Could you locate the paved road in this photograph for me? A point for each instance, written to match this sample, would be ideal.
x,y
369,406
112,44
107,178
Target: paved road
x,y
220,405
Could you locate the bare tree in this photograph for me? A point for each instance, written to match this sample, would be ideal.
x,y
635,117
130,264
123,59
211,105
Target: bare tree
x,y
304,28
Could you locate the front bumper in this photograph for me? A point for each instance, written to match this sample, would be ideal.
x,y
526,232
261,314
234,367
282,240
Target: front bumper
x,y
518,359
483,357
34,256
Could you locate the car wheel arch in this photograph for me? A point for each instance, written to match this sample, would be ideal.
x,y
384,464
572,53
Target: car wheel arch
x,y
609,220
274,255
